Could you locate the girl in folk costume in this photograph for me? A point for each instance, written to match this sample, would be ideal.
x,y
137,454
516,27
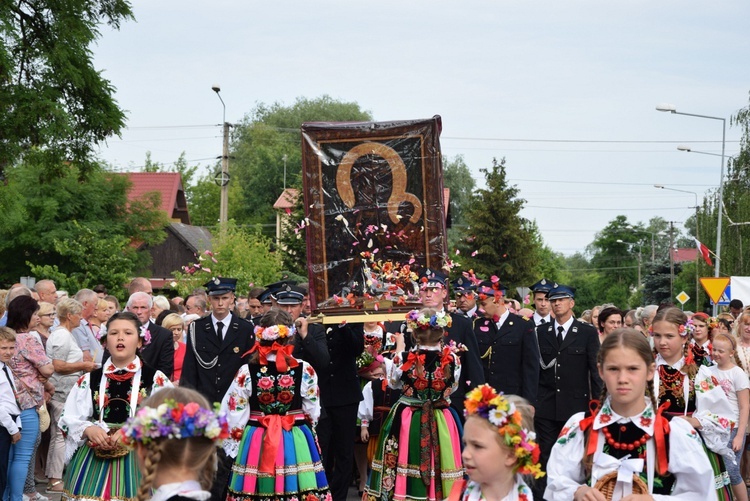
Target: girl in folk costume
x,y
700,338
378,342
499,447
736,385
628,449
418,455
272,407
692,391
377,400
174,434
98,465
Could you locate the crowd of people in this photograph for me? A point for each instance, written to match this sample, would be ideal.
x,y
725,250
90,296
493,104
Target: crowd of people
x,y
468,398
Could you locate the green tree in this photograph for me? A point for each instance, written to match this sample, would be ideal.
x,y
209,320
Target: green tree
x,y
240,253
457,178
54,105
266,140
585,280
500,242
80,230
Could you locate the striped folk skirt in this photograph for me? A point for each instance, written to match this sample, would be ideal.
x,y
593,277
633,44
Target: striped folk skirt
x,y
418,456
295,473
88,477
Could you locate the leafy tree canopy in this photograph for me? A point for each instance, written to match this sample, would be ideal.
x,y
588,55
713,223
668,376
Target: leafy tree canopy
x,y
54,105
64,227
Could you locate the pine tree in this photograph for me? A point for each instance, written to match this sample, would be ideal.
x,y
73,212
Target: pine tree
x,y
499,240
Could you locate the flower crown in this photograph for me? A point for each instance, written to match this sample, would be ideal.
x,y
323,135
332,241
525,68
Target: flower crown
x,y
175,420
274,332
417,320
485,402
713,322
684,330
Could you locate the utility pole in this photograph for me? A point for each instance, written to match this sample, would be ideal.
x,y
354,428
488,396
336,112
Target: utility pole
x,y
223,179
671,260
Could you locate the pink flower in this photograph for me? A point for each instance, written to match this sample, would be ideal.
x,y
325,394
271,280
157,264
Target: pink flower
x,y
265,383
192,408
286,381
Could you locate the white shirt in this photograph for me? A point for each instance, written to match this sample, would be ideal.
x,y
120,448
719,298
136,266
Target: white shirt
x,y
471,312
8,404
538,318
687,460
502,319
224,321
565,326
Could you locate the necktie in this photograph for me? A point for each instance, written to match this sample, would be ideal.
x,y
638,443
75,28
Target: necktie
x,y
560,331
542,322
219,330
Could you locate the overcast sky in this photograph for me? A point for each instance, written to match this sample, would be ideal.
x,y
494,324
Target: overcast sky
x,y
564,90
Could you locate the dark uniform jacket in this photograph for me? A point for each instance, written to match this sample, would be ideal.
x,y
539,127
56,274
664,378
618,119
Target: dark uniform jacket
x,y
510,356
568,384
210,364
472,375
338,381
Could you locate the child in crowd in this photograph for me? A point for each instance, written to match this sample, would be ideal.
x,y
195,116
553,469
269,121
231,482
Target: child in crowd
x,y
10,421
418,454
175,434
99,465
377,400
701,338
272,407
693,393
736,385
499,447
628,437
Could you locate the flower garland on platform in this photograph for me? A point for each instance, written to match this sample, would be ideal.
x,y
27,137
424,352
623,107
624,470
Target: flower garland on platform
x,y
175,420
417,320
485,402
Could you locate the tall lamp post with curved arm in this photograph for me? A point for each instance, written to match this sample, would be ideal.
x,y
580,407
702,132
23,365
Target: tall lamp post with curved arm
x,y
672,109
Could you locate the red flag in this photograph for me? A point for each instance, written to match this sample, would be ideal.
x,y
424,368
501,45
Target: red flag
x,y
704,252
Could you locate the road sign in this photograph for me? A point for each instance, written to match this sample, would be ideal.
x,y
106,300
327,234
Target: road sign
x,y
682,297
726,296
523,292
714,287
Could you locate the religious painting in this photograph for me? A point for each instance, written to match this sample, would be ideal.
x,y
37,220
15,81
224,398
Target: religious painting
x,y
374,205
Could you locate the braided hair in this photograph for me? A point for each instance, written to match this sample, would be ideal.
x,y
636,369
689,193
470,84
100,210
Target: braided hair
x,y
195,454
677,317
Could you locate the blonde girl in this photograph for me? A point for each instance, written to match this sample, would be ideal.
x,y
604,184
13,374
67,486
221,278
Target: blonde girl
x,y
499,448
175,434
628,441
736,385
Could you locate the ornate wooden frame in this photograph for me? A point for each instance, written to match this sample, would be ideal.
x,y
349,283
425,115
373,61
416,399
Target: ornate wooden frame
x,y
406,153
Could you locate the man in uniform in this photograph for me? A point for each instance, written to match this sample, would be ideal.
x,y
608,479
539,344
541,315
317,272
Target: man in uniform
x,y
569,378
541,302
466,301
507,345
309,340
216,343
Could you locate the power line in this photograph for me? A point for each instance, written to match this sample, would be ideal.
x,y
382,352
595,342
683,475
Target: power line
x,y
605,208
604,182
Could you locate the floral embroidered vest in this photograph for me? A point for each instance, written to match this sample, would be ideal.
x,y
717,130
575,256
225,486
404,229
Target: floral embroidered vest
x,y
117,399
274,392
434,380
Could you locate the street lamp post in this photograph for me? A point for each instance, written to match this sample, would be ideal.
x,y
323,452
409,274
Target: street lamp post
x,y
672,109
223,180
697,279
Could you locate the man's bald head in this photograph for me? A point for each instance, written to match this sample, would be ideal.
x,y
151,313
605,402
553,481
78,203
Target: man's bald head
x,y
140,284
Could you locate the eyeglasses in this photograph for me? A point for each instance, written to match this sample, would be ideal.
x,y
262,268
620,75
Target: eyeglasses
x,y
48,315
